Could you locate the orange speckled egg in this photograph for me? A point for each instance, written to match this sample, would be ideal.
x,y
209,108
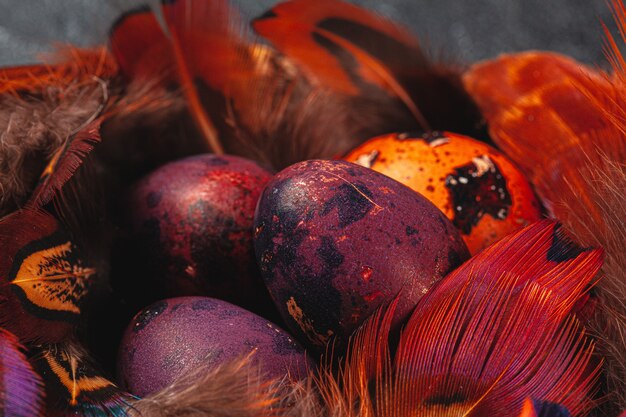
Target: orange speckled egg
x,y
477,187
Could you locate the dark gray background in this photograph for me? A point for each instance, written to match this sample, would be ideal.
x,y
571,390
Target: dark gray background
x,y
466,29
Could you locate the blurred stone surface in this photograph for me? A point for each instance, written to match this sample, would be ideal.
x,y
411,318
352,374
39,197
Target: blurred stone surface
x,y
465,30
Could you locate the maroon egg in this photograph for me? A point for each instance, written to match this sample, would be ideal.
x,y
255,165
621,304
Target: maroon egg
x,y
173,336
335,240
192,230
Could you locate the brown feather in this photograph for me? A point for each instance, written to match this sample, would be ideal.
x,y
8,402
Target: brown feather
x,y
32,129
234,389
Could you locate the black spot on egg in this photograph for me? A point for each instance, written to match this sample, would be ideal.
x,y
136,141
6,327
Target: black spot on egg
x,y
147,315
330,256
477,191
215,161
410,231
205,304
352,201
154,198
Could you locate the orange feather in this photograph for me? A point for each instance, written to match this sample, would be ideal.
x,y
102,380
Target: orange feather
x,y
304,31
70,66
74,386
564,124
199,42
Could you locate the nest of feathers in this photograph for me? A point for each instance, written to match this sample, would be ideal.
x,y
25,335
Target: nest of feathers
x,y
78,132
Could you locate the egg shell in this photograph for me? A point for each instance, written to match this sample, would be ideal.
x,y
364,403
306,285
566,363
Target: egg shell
x,y
484,194
173,336
192,230
335,240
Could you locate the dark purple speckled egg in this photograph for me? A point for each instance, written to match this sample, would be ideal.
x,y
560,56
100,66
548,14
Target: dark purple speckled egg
x,y
191,224
335,240
173,336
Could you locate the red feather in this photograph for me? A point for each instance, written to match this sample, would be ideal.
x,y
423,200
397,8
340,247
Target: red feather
x,y
351,50
200,41
481,342
297,28
263,105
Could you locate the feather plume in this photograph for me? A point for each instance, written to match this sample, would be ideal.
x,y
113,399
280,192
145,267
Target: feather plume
x,y
48,132
21,389
257,101
578,166
169,52
64,163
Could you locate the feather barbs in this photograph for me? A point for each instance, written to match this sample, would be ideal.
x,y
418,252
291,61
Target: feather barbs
x,y
73,66
479,343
